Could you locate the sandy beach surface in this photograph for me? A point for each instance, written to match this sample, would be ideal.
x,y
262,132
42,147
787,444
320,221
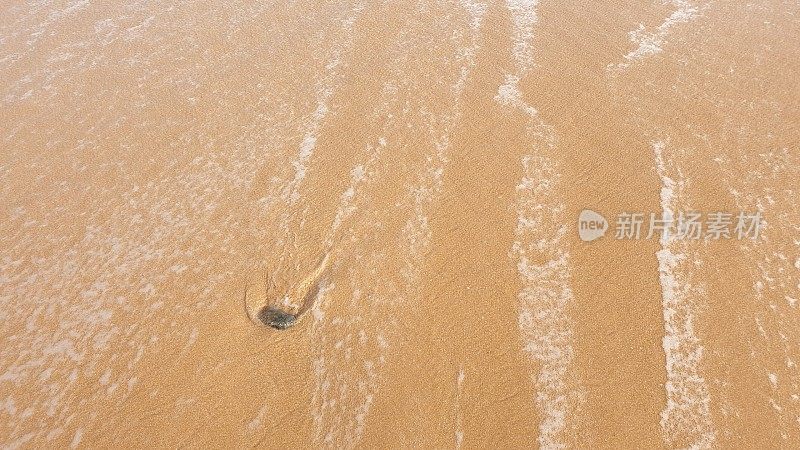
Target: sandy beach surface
x,y
406,179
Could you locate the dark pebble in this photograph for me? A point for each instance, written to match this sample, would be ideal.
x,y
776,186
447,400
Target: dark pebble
x,y
276,318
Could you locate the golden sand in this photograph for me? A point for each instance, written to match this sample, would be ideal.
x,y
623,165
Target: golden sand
x,y
404,178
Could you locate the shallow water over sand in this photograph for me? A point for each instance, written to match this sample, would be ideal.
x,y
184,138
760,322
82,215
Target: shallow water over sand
x,y
403,178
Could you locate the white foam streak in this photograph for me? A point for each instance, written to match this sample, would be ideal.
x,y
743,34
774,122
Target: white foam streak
x,y
686,415
539,252
459,433
291,191
545,299
416,233
340,421
476,11
341,405
649,43
283,204
360,175
326,87
776,286
524,17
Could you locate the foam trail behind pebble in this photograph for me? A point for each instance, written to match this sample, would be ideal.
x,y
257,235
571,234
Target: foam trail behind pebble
x,y
283,210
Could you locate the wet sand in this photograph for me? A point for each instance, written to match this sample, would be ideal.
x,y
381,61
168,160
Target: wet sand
x,y
406,177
